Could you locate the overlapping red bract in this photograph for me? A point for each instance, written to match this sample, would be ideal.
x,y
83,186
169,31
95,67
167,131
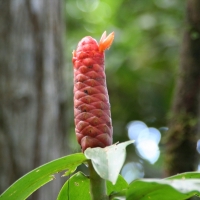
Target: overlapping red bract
x,y
93,124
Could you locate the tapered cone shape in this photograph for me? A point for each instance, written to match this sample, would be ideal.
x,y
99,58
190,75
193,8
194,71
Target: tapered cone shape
x,y
93,124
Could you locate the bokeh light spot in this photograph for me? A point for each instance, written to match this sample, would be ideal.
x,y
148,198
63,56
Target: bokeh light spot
x,y
132,171
198,146
146,21
149,150
87,5
146,140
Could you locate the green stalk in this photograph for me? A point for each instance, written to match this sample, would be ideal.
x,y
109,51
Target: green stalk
x,y
98,189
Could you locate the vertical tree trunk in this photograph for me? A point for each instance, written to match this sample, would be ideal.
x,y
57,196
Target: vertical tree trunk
x,y
181,154
31,89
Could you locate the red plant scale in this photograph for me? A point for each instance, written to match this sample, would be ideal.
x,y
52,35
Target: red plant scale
x,y
93,123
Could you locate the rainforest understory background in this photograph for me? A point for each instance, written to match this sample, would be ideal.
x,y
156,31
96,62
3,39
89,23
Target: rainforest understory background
x,y
152,75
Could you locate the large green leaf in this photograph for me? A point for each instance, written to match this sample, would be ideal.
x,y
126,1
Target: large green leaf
x,y
157,189
78,187
108,161
30,182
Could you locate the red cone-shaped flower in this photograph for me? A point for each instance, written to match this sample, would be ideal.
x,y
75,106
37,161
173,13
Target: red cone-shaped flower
x,y
93,124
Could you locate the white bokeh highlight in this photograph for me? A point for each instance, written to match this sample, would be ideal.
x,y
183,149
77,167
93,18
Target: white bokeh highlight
x,y
132,171
198,146
146,140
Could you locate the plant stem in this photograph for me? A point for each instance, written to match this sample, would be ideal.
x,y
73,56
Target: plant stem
x,y
98,189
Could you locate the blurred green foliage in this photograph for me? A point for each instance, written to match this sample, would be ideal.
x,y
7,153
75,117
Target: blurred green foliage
x,y
142,63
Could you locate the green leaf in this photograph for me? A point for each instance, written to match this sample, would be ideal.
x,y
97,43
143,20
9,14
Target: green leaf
x,y
120,185
30,182
117,191
78,187
108,161
186,175
157,189
69,171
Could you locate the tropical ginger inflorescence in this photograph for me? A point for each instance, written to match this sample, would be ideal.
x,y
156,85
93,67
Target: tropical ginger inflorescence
x,y
93,125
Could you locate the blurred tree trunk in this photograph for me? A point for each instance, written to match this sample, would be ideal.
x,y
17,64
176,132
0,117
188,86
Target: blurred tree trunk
x,y
181,153
32,119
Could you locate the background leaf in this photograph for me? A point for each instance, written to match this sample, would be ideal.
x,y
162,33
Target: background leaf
x,y
108,161
78,187
30,182
163,189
